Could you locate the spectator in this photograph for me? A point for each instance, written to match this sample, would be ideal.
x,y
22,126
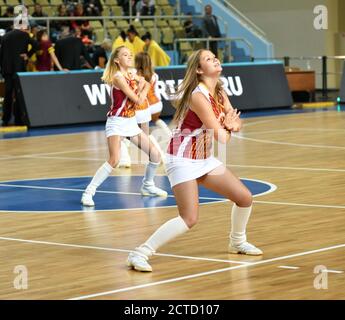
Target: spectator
x,y
69,50
84,25
46,53
14,54
134,39
39,13
211,28
145,8
191,30
120,40
7,25
31,63
125,7
102,54
93,7
158,56
58,24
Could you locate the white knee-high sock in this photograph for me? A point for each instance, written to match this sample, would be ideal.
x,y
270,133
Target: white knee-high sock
x,y
101,174
168,231
239,220
161,124
150,173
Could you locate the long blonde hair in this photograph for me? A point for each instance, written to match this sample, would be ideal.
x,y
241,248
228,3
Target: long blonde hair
x,y
112,67
143,65
187,86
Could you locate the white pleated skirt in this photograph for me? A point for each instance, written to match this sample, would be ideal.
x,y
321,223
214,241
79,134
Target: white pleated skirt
x,y
156,108
121,126
183,169
143,116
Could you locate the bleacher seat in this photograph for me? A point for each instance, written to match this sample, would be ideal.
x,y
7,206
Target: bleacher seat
x,y
117,11
122,25
96,24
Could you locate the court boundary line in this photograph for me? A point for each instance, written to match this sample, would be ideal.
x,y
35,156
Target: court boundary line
x,y
59,244
207,273
302,145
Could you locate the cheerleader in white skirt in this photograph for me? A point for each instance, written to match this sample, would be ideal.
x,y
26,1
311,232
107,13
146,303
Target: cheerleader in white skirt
x,y
203,112
126,91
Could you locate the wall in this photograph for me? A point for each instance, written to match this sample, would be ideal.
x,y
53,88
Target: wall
x,y
289,25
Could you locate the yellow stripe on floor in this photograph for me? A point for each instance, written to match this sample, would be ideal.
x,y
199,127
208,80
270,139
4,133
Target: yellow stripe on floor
x,y
12,129
325,104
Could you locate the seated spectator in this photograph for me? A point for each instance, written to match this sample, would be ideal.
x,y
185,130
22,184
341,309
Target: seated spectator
x,y
7,25
134,39
39,13
93,7
125,7
192,31
84,25
158,56
145,8
69,49
46,53
102,54
58,24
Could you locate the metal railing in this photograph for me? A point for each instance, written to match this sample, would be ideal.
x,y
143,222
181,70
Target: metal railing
x,y
323,60
106,18
208,40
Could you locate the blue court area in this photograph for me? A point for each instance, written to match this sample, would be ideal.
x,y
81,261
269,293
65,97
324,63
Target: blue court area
x,y
116,193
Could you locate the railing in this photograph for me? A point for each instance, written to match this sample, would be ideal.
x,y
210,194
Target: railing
x,y
249,22
105,18
208,40
324,67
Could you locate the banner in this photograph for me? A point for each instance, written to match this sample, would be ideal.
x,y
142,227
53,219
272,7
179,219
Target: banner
x,y
56,98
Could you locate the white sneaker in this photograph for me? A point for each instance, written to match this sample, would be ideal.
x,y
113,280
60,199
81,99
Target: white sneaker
x,y
245,248
125,159
86,200
138,262
125,163
152,190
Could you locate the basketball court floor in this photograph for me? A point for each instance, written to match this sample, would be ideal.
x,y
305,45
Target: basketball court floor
x,y
292,161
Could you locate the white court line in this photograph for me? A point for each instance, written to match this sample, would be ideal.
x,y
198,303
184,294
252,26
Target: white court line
x,y
300,204
332,271
288,267
51,153
286,168
289,143
122,250
207,273
294,130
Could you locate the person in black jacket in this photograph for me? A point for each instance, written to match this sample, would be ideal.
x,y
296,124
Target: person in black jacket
x,y
211,28
14,55
69,50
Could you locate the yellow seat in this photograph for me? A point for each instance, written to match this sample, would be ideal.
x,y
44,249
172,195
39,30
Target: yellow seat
x,y
148,24
96,24
122,24
162,23
167,36
117,11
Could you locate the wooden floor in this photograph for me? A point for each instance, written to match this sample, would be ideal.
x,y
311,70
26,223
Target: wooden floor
x,y
82,255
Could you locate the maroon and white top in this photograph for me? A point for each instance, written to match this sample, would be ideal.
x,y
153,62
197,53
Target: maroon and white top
x,y
121,105
191,139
